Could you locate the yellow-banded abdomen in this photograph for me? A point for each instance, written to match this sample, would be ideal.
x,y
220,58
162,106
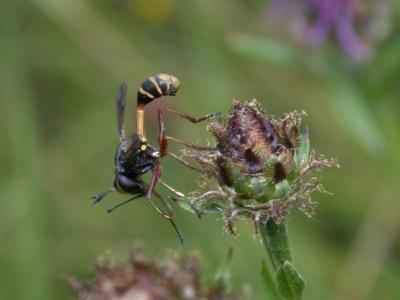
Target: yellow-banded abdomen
x,y
156,86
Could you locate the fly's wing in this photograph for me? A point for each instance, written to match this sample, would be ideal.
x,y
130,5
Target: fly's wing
x,y
121,103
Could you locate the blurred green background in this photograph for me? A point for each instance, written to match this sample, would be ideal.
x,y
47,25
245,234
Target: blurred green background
x,y
61,63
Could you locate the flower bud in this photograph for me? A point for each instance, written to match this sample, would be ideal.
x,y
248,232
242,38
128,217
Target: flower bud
x,y
261,169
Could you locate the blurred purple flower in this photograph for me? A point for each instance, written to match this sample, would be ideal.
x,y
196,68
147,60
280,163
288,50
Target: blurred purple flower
x,y
355,24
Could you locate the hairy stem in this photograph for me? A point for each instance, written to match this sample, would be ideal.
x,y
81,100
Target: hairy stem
x,y
276,241
275,238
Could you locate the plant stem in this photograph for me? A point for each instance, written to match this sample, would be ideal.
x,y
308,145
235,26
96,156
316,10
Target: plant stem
x,y
276,241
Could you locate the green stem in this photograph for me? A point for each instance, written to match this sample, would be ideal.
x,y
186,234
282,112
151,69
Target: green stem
x,y
275,238
276,241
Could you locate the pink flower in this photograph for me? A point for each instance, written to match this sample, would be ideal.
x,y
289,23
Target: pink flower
x,y
354,24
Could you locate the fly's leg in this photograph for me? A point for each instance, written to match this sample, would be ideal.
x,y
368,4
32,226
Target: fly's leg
x,y
97,198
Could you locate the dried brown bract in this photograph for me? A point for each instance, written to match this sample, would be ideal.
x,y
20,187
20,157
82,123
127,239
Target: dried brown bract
x,y
248,137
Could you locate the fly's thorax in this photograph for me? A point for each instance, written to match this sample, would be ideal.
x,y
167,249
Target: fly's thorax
x,y
135,156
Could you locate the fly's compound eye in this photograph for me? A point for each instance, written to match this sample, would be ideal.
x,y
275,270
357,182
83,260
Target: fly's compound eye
x,y
125,184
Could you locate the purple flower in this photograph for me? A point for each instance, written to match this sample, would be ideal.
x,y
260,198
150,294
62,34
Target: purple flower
x,y
354,24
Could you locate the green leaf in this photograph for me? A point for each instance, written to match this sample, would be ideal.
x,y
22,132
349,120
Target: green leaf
x,y
302,153
262,48
290,283
269,282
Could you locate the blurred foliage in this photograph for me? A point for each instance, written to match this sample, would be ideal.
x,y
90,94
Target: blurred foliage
x,y
61,63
